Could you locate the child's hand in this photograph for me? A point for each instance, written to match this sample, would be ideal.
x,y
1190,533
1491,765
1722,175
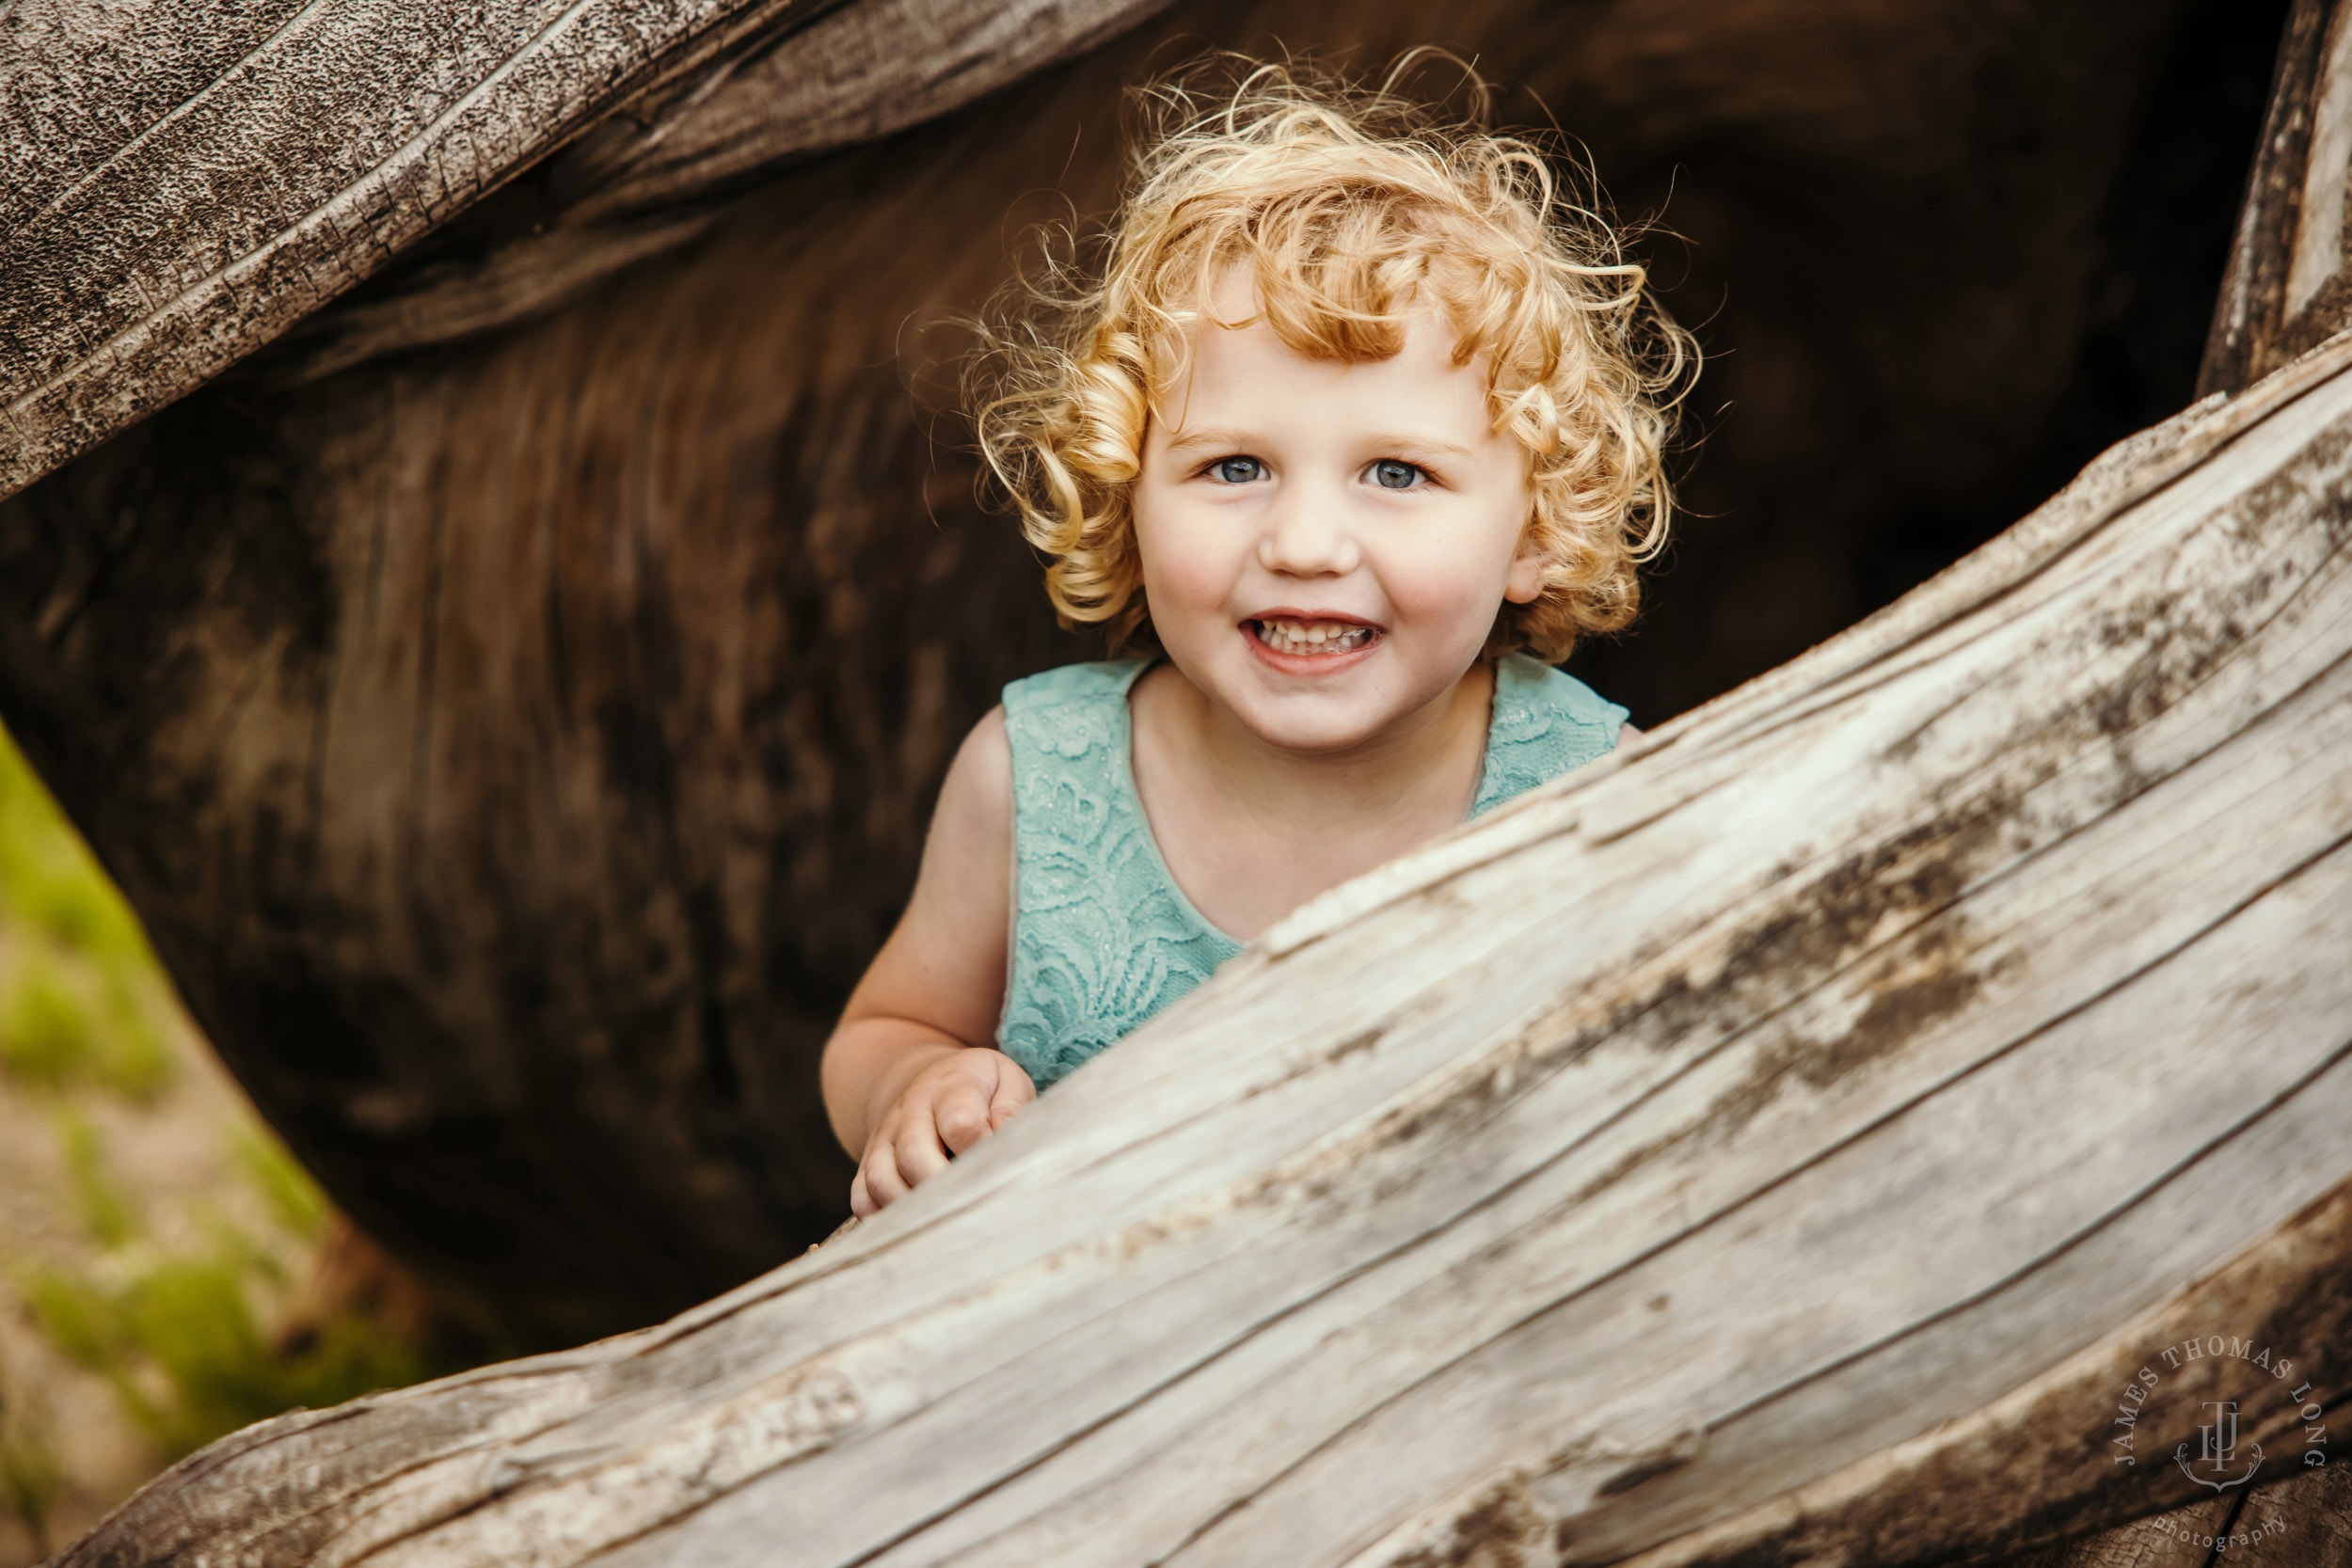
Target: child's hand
x,y
951,1103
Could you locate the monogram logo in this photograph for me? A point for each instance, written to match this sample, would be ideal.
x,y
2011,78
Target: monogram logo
x,y
2218,1451
2272,1396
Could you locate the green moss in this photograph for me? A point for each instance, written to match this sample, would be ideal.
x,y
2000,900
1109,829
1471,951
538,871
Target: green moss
x,y
293,1198
174,1333
31,1473
53,1038
105,1213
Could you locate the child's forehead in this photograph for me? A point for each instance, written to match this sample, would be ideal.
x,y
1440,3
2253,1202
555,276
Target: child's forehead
x,y
1231,313
1246,383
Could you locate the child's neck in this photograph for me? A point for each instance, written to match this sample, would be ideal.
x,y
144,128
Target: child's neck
x,y
1251,830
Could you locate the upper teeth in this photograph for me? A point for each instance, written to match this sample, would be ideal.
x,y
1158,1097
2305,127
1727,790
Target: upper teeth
x,y
1311,637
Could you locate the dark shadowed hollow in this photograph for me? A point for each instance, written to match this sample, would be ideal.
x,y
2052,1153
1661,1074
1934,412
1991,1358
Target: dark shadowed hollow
x,y
518,737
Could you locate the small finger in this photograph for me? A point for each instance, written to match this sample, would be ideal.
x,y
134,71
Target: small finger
x,y
861,1204
1013,1090
884,1185
921,1156
964,1116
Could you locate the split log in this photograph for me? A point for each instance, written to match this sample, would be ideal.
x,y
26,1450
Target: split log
x,y
512,697
1783,1142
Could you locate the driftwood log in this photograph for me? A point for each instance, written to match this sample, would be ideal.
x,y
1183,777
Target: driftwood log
x,y
1798,1139
512,692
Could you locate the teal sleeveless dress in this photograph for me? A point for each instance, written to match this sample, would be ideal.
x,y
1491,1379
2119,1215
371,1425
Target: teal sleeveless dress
x,y
1102,937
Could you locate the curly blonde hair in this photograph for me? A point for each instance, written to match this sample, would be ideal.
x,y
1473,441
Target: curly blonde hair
x,y
1354,209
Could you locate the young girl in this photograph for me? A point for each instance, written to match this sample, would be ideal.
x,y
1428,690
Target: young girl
x,y
1356,411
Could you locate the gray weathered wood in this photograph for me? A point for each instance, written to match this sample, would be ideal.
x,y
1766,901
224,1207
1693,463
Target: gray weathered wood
x,y
188,184
1766,1145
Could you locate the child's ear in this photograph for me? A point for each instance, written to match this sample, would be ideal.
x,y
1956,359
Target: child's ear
x,y
1525,584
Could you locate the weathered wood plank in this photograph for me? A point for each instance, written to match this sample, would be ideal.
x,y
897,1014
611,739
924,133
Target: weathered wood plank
x,y
184,203
1721,1155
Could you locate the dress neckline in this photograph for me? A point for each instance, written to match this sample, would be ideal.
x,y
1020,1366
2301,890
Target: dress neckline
x,y
1123,749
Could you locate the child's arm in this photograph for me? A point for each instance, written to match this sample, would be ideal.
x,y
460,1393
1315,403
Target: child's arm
x,y
907,1081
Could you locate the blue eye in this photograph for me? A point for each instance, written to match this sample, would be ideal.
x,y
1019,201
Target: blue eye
x,y
1392,473
1238,470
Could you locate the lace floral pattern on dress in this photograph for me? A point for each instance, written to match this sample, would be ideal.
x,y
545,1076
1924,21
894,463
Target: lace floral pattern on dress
x,y
1103,939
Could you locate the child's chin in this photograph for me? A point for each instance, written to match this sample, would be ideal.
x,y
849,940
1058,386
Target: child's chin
x,y
1313,724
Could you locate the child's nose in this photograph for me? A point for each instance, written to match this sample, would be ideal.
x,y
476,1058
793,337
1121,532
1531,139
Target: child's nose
x,y
1307,535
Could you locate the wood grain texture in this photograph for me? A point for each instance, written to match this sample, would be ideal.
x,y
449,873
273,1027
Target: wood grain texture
x,y
2303,1521
186,192
2288,287
1766,1145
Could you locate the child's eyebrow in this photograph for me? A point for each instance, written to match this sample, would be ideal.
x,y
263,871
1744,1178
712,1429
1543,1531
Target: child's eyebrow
x,y
1190,439
1428,445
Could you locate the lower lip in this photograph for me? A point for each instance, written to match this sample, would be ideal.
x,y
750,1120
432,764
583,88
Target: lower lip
x,y
1309,664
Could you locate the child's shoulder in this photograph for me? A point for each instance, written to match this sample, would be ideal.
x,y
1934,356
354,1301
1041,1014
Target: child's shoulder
x,y
1524,683
1546,722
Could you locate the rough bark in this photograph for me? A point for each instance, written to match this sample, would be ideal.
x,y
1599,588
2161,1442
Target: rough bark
x,y
2287,287
2304,1521
1784,1142
513,700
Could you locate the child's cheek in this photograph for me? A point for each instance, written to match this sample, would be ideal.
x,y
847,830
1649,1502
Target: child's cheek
x,y
1450,595
1186,583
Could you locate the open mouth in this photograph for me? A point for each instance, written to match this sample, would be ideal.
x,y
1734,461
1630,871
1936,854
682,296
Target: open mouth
x,y
1291,635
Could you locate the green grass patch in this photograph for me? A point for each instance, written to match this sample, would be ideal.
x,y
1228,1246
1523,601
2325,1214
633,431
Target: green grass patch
x,y
31,1473
175,1330
82,995
50,882
54,1036
175,1335
105,1211
294,1200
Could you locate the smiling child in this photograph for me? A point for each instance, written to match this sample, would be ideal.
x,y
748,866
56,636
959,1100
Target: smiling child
x,y
1360,426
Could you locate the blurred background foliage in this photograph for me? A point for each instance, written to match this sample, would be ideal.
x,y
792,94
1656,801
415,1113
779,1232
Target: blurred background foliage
x,y
167,1273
